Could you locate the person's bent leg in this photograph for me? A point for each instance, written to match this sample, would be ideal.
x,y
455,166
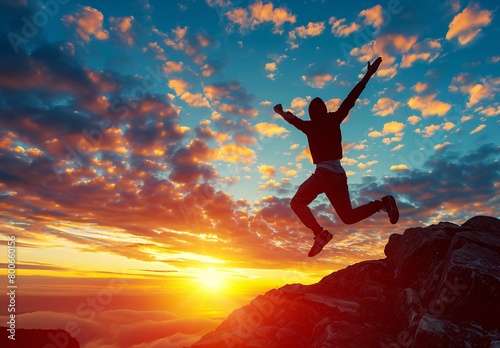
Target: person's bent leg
x,y
306,193
338,194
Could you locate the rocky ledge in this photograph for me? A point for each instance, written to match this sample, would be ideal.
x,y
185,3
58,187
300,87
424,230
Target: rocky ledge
x,y
438,286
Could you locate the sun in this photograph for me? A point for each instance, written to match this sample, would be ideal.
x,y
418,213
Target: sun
x,y
211,279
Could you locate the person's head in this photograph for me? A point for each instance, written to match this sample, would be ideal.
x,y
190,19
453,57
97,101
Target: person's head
x,y
317,109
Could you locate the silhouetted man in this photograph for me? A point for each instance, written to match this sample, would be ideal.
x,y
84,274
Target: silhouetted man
x,y
325,143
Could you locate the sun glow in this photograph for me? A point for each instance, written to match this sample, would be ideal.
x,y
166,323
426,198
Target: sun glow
x,y
211,279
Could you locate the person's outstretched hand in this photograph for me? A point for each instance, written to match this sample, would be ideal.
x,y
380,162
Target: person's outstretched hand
x,y
278,108
372,68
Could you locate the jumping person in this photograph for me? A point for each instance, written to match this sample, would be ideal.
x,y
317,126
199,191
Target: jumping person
x,y
325,144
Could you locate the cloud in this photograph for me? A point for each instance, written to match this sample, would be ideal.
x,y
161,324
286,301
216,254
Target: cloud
x,y
367,164
259,13
430,130
122,27
491,111
298,104
317,80
312,29
178,85
191,44
267,129
428,105
419,87
478,129
413,120
172,67
385,46
158,51
467,24
441,146
340,29
399,167
448,126
478,92
385,106
88,23
392,127
267,171
373,16
121,328
436,189
195,100
271,66
238,110
237,154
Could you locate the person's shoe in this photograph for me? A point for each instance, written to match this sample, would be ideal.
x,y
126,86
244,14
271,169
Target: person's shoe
x,y
391,208
320,241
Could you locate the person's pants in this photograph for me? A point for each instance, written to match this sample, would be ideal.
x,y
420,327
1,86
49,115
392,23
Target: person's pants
x,y
334,185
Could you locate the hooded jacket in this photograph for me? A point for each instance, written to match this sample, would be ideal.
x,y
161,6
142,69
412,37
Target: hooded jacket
x,y
323,130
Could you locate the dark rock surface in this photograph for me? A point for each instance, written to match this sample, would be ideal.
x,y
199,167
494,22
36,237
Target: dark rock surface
x,y
438,286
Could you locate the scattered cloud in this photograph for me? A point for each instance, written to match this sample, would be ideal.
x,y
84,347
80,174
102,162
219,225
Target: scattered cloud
x,y
87,23
428,105
341,29
399,167
259,13
385,106
122,27
478,129
267,129
468,24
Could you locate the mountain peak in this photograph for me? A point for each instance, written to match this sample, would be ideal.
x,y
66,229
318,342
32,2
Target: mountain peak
x,y
439,286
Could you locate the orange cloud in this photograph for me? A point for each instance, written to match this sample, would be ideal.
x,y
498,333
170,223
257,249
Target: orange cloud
x,y
88,23
171,67
238,110
384,46
312,29
399,167
318,80
419,87
393,127
385,106
478,129
195,100
373,16
237,154
367,164
267,129
260,13
267,171
122,28
467,24
271,66
478,92
340,29
428,105
178,85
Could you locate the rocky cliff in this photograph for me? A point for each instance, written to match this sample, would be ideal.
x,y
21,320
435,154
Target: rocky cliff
x,y
438,286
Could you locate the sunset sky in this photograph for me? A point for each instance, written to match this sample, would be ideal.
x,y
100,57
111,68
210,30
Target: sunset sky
x,y
142,165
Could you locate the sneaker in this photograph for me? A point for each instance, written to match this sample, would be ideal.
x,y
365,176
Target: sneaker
x,y
391,208
320,241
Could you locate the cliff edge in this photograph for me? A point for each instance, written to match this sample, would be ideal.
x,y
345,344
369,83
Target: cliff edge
x,y
439,286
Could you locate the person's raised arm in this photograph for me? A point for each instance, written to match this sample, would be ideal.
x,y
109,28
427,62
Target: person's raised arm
x,y
290,118
349,102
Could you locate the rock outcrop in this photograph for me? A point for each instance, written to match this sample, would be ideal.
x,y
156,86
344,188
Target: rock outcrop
x,y
438,286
